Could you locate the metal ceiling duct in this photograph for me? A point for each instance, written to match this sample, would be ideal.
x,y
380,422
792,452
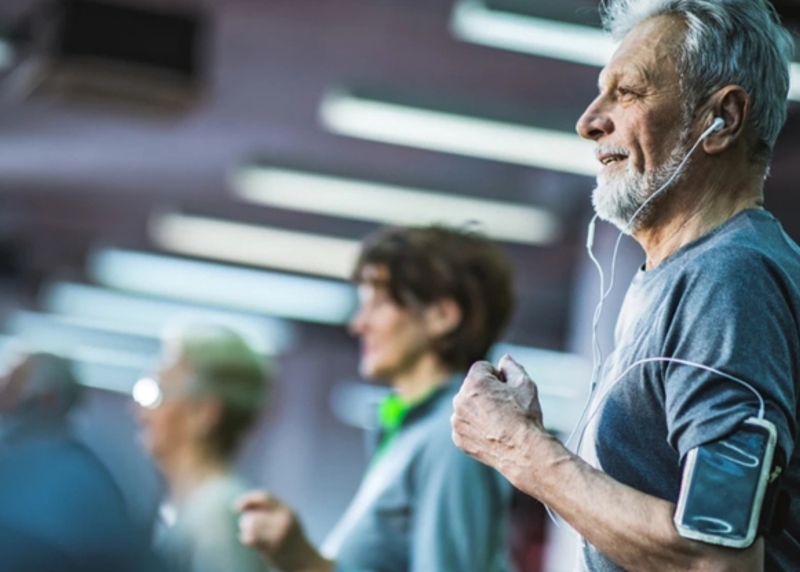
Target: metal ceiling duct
x,y
116,53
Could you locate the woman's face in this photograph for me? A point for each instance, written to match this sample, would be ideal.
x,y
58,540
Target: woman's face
x,y
393,337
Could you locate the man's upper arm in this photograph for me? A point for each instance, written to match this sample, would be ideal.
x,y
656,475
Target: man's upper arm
x,y
736,320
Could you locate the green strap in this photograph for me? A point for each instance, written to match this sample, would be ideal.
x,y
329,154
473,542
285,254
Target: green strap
x,y
392,411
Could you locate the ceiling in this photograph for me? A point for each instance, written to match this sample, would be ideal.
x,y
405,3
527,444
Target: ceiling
x,y
74,175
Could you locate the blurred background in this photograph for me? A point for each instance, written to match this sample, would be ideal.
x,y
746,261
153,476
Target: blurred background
x,y
163,158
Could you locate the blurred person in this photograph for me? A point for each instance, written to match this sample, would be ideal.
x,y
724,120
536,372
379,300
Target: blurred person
x,y
60,508
208,393
431,301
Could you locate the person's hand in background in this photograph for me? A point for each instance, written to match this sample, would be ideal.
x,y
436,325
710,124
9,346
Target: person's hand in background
x,y
273,529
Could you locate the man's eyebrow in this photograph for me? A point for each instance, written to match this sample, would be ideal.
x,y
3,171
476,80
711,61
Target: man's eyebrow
x,y
643,74
638,75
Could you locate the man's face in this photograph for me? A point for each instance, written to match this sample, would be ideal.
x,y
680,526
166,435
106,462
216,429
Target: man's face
x,y
637,121
393,337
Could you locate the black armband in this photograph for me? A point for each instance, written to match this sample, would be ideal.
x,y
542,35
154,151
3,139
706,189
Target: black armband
x,y
724,486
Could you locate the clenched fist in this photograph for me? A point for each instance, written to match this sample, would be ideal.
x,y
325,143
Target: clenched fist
x,y
497,416
272,528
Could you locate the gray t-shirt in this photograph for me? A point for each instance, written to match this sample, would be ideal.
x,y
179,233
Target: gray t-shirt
x,y
424,505
205,536
729,300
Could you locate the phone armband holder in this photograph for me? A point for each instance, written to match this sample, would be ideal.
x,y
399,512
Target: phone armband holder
x,y
723,486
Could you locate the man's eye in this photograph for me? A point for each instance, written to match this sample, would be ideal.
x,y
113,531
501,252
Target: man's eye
x,y
625,92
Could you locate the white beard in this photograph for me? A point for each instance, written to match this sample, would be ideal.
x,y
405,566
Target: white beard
x,y
617,199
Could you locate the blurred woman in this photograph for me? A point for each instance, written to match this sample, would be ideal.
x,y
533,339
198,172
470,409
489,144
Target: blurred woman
x,y
431,302
208,392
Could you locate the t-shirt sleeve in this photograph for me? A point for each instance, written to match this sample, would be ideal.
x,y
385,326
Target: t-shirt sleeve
x,y
459,513
733,314
215,542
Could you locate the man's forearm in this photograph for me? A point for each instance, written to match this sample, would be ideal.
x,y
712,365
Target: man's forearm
x,y
633,529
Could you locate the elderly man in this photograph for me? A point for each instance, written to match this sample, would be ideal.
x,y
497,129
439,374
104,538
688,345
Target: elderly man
x,y
689,110
209,391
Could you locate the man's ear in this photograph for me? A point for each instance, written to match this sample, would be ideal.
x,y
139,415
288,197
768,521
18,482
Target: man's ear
x,y
442,317
732,103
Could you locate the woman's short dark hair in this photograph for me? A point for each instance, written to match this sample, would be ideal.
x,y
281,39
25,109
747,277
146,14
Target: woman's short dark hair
x,y
433,263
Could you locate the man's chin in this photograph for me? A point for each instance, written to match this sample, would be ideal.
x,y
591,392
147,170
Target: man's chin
x,y
609,209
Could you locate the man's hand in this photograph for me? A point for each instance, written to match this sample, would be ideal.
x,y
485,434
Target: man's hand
x,y
273,529
496,414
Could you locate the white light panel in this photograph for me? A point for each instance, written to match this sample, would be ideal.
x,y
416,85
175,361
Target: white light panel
x,y
270,293
388,204
354,116
255,245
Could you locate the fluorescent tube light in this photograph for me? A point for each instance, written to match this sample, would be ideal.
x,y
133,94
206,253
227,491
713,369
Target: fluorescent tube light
x,y
562,379
106,377
6,54
387,204
794,82
255,245
348,114
270,293
473,22
81,340
149,316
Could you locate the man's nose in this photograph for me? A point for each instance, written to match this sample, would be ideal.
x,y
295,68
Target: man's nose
x,y
595,122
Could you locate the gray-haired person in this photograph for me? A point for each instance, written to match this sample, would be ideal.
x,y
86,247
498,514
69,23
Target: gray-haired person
x,y
208,392
60,508
676,440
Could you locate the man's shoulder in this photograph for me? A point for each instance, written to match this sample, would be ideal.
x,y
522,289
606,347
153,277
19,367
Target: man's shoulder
x,y
214,499
753,250
751,239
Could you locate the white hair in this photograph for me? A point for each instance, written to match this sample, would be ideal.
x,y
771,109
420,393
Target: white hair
x,y
223,366
727,42
221,361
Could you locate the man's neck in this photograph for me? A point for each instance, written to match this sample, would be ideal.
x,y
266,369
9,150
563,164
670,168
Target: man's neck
x,y
421,378
188,469
697,207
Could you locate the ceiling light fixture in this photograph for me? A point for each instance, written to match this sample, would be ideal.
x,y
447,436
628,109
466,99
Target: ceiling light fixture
x,y
365,118
389,204
255,245
6,54
145,316
794,82
262,292
473,22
